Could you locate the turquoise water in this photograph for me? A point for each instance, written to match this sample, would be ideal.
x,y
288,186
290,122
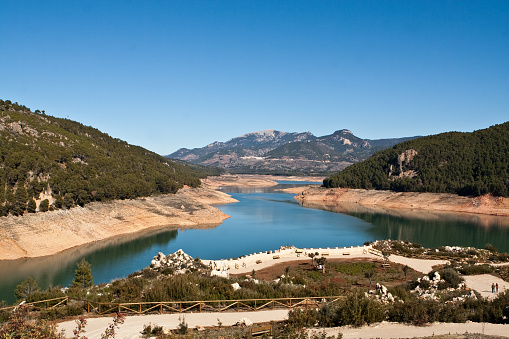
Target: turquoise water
x,y
263,219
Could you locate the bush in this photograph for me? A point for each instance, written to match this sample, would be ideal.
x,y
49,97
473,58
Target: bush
x,y
20,326
490,248
303,318
358,309
451,278
414,311
476,269
61,312
150,330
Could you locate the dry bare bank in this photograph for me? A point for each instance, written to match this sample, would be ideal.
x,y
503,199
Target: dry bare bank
x,y
344,199
41,234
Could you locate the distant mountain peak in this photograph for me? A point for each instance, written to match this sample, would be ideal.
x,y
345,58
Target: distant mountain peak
x,y
343,131
272,151
267,133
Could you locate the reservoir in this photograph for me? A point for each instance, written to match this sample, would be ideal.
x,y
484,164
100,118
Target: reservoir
x,y
263,219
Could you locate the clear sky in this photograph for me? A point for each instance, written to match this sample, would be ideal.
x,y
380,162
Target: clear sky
x,y
171,74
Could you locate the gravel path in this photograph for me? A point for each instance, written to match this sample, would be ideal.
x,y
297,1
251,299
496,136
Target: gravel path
x,y
133,325
395,330
482,284
420,265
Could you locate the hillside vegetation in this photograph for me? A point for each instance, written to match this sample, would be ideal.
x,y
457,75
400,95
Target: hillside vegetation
x,y
461,163
50,163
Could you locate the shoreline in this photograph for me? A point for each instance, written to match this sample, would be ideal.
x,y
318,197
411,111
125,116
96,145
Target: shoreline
x,y
50,233
45,234
345,199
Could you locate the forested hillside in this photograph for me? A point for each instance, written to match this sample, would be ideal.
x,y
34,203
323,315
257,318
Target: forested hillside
x,y
463,163
51,163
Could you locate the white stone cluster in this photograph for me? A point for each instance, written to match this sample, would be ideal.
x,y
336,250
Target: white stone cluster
x,y
179,261
428,293
382,294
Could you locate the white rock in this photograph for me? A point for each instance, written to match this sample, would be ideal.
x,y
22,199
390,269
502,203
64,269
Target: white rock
x,y
236,286
244,322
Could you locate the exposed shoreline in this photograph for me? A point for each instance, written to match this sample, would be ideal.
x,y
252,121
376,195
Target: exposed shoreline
x,y
344,199
44,234
49,233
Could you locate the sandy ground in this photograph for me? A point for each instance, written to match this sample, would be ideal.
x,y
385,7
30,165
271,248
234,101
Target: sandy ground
x,y
134,325
341,198
43,234
482,284
421,265
254,180
394,330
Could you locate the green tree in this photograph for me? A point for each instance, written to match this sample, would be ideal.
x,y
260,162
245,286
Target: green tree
x,y
44,205
20,200
26,288
31,206
83,275
369,275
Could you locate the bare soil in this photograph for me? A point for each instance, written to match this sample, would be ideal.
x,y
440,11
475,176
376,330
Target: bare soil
x,y
344,199
41,234
254,180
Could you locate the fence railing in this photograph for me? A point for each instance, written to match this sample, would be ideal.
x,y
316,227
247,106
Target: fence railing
x,y
240,305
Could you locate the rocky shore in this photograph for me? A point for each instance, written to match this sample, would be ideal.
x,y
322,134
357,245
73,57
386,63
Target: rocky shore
x,y
42,234
344,200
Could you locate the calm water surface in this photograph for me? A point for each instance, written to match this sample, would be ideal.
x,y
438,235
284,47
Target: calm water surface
x,y
263,219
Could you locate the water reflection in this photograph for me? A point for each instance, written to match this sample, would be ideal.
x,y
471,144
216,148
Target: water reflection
x,y
430,228
109,260
263,219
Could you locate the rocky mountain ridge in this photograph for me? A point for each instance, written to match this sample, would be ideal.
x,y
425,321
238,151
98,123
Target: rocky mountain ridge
x,y
278,152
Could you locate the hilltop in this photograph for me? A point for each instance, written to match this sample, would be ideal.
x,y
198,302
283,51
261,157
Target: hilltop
x,y
467,164
48,163
277,152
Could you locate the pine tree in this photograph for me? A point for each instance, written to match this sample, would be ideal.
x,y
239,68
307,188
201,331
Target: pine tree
x,y
31,206
83,275
20,200
26,288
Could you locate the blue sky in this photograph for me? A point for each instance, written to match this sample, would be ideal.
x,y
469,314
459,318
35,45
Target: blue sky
x,y
171,74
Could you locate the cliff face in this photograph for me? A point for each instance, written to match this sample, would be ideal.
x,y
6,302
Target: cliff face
x,y
486,204
48,233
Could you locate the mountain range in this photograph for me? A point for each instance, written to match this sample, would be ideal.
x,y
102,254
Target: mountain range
x,y
277,152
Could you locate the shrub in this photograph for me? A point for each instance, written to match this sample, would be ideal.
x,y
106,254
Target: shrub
x,y
148,273
414,311
19,326
61,312
303,318
150,330
358,309
451,278
476,269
